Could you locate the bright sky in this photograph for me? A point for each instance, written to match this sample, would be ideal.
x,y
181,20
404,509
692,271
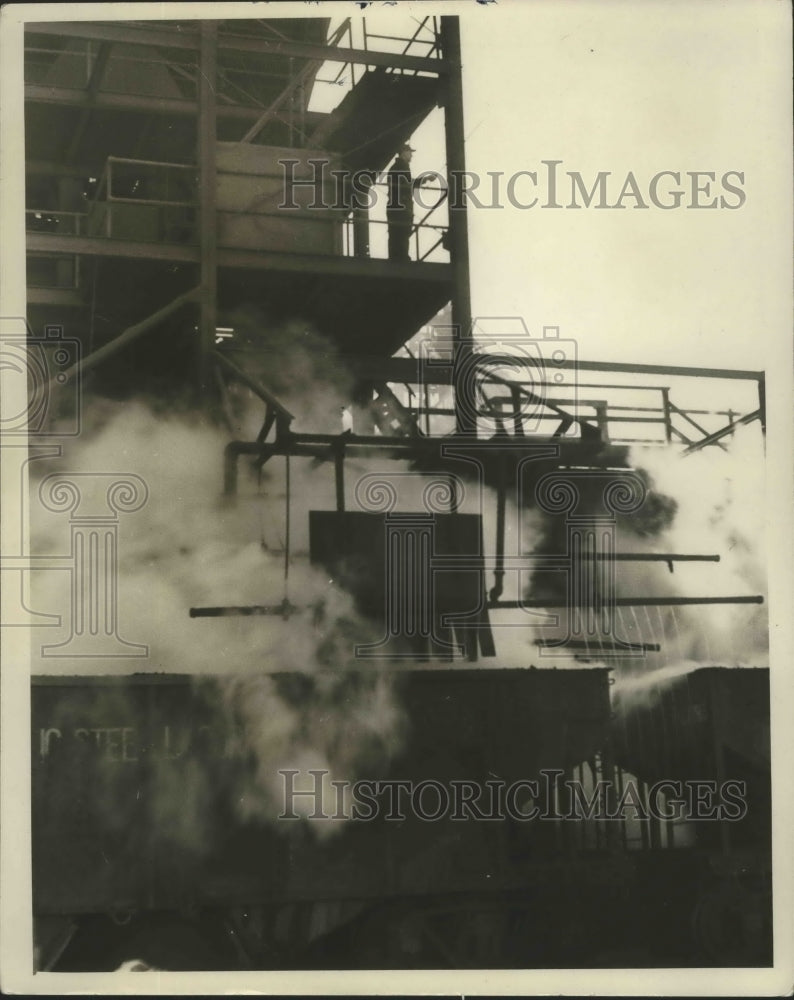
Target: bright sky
x,y
659,86
644,88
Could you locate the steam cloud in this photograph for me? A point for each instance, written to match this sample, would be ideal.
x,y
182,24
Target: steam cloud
x,y
187,547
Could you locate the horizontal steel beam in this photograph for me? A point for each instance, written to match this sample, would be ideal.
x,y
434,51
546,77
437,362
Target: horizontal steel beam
x,y
49,168
359,267
78,98
438,373
54,297
616,366
171,38
96,246
190,40
37,94
326,264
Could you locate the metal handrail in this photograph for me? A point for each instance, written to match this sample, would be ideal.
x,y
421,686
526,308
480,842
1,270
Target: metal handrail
x,y
600,411
56,213
409,41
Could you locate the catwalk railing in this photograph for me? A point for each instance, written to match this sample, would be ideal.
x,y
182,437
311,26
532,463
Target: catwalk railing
x,y
622,413
157,202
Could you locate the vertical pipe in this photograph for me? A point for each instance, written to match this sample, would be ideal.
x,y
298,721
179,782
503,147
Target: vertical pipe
x,y
108,200
515,402
624,834
207,198
287,498
668,424
762,402
291,103
501,502
339,469
465,421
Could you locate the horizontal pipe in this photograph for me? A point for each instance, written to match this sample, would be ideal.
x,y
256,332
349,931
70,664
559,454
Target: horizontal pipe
x,y
626,602
317,445
654,557
232,611
599,647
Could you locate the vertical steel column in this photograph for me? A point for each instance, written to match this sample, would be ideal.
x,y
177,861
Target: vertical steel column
x,y
668,423
501,503
339,474
465,421
207,198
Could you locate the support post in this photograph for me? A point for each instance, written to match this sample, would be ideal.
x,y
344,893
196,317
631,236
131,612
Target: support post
x,y
668,423
501,502
207,198
92,89
339,475
465,420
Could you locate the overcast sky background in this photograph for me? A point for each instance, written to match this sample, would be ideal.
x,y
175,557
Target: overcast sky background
x,y
666,85
619,87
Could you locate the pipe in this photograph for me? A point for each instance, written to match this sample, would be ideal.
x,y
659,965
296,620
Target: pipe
x,y
645,647
339,475
666,557
285,609
499,569
125,338
256,387
627,602
230,455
